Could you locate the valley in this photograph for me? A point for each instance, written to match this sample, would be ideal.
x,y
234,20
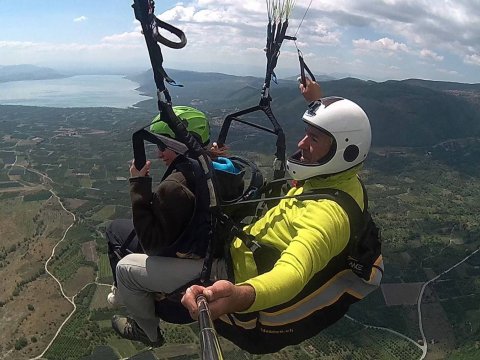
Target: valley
x,y
63,177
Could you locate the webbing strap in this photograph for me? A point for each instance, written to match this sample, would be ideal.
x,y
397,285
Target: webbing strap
x,y
348,204
303,67
144,12
122,251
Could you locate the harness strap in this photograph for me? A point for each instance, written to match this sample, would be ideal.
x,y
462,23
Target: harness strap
x,y
187,168
303,67
365,238
121,252
356,216
176,31
144,12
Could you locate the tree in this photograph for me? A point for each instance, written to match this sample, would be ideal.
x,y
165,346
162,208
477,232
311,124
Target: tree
x,y
21,343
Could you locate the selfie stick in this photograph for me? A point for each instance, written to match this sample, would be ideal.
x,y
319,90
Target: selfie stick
x,y
208,336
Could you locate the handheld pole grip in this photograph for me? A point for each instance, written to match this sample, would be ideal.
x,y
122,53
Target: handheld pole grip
x,y
208,336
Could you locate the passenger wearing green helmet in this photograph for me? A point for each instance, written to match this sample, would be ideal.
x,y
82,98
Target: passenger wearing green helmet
x,y
170,226
196,123
160,217
194,119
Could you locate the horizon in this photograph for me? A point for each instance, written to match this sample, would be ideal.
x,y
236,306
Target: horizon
x,y
319,77
433,40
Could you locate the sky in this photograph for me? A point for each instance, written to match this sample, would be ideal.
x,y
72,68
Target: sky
x,y
368,39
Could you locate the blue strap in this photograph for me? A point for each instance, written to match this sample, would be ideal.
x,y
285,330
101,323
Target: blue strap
x,y
225,164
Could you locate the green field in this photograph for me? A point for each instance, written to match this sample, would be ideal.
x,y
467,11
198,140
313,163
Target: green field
x,y
421,197
104,270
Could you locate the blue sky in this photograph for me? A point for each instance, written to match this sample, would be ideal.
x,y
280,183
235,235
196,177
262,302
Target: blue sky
x,y
370,39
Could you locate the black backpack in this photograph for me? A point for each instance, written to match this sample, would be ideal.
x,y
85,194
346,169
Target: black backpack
x,y
365,237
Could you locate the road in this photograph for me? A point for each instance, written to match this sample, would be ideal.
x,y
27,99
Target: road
x,y
46,180
71,300
419,303
424,346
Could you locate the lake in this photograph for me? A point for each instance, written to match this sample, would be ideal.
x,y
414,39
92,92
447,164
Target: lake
x,y
76,91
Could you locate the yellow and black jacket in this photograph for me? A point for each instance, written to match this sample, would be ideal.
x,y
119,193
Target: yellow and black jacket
x,y
310,286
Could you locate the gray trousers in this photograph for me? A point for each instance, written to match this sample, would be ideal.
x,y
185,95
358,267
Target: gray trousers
x,y
140,276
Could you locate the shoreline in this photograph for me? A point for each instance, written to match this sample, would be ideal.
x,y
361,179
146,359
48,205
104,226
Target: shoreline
x,y
77,91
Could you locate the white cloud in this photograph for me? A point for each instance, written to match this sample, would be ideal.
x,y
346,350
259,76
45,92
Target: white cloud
x,y
233,31
384,45
180,13
71,47
53,55
472,59
322,34
432,55
353,36
125,37
448,72
80,19
16,44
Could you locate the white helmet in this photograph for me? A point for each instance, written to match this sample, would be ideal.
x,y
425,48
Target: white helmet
x,y
349,127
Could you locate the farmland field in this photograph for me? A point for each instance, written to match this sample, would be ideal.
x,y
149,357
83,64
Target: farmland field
x,y
425,199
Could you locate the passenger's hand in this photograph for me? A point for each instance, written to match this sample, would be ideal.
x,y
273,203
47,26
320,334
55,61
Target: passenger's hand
x,y
216,151
223,298
214,147
311,92
145,171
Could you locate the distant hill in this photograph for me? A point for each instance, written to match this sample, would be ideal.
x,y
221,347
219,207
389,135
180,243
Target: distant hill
x,y
318,77
403,113
27,72
443,85
196,82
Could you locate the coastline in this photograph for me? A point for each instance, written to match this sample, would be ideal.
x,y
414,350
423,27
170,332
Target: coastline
x,y
78,91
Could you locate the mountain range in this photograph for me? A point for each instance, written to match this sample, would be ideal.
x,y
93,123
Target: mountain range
x,y
412,112
27,72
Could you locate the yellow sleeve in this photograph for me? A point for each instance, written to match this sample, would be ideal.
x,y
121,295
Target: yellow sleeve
x,y
322,232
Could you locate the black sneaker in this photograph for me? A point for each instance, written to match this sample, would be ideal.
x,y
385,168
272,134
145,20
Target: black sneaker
x,y
127,328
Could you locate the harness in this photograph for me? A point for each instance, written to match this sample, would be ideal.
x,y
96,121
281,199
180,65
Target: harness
x,y
364,246
195,238
193,241
346,279
144,12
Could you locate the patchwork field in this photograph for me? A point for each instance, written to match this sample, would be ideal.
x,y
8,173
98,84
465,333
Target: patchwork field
x,y
426,205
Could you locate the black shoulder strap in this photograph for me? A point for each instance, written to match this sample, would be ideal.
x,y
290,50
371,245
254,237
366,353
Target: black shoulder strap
x,y
187,167
365,237
355,215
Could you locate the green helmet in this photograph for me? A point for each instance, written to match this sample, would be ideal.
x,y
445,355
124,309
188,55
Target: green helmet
x,y
194,119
